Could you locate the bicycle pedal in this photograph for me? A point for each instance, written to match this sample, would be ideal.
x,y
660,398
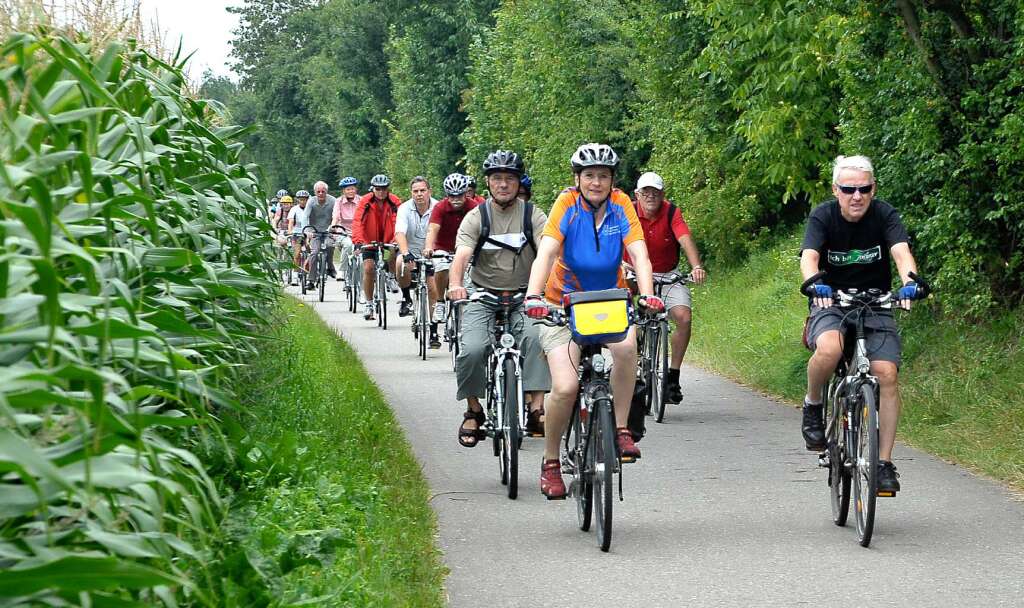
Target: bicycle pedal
x,y
824,461
885,494
627,459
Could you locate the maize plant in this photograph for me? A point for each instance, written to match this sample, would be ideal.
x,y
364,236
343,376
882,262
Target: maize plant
x,y
133,281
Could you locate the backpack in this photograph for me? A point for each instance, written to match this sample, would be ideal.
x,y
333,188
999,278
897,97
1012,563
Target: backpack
x,y
485,232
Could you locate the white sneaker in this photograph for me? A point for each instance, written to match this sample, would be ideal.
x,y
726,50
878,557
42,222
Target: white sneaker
x,y
392,284
368,313
439,312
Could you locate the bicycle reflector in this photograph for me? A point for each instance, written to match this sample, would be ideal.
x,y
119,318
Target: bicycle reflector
x,y
599,317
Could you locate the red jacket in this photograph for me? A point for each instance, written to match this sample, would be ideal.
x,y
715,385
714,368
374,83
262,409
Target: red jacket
x,y
375,222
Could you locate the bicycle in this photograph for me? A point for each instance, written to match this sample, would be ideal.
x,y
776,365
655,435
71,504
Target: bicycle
x,y
353,278
283,255
652,348
851,411
506,406
380,287
320,262
301,271
421,315
590,456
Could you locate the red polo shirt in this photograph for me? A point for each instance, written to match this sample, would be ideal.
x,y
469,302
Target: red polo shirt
x,y
449,218
662,238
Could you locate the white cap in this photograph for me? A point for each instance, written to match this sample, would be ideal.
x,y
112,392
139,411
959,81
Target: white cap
x,y
650,179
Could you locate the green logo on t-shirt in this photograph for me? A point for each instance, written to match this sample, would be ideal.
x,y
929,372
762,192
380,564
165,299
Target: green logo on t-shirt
x,y
855,256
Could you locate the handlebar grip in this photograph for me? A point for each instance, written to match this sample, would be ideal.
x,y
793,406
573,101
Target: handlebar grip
x,y
810,281
923,286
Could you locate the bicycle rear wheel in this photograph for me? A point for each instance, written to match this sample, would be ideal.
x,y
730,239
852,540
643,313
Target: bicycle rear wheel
x,y
581,477
453,328
865,473
604,461
510,427
838,474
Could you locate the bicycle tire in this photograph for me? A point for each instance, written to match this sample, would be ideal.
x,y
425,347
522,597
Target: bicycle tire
x,y
455,317
604,461
584,488
321,275
382,300
510,427
656,388
865,474
422,321
838,475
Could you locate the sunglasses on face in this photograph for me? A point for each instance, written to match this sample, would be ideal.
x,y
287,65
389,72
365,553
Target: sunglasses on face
x,y
852,189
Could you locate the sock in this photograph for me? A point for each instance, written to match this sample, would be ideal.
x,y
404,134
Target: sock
x,y
673,375
406,294
433,329
809,401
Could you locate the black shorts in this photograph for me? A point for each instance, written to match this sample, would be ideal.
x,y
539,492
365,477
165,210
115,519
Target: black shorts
x,y
369,254
883,339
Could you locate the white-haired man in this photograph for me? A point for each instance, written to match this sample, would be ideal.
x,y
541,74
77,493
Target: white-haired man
x,y
852,238
319,212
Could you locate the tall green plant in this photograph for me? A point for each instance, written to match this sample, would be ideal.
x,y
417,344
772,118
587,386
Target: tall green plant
x,y
132,279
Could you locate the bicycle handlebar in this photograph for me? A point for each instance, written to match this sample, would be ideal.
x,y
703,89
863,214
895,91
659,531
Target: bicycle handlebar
x,y
923,286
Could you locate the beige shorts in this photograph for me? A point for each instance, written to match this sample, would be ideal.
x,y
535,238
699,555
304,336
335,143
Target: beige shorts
x,y
554,337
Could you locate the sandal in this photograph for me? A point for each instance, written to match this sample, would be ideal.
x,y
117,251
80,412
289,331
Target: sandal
x,y
534,424
468,438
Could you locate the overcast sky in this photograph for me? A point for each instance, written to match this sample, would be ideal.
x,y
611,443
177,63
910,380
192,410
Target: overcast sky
x,y
203,25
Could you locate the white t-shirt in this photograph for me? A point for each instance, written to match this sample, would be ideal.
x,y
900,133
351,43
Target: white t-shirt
x,y
301,218
413,225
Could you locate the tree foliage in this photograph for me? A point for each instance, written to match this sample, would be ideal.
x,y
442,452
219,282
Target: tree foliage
x,y
741,104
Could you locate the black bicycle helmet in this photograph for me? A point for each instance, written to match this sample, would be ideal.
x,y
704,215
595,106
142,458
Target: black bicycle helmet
x,y
594,155
456,184
380,181
503,160
472,181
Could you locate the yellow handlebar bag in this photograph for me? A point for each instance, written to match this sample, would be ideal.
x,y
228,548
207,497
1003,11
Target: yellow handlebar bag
x,y
598,317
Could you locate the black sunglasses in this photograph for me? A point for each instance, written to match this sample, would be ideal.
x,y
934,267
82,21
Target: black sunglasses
x,y
852,189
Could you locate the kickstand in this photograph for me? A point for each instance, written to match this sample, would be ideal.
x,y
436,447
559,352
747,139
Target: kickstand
x,y
620,480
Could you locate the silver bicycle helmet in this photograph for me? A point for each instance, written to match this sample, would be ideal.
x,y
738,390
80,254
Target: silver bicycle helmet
x,y
302,194
282,192
456,184
594,155
380,181
503,160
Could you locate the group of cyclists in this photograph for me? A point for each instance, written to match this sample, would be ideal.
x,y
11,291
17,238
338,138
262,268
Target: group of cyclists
x,y
597,238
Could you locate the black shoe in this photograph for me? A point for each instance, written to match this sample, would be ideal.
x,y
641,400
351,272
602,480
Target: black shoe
x,y
435,341
310,286
333,274
814,426
673,393
888,478
405,309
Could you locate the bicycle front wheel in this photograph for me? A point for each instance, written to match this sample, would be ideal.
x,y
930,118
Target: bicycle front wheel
x,y
423,321
382,300
604,459
865,474
582,484
512,401
321,276
656,390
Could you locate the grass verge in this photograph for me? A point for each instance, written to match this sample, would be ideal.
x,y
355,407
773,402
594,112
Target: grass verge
x,y
962,383
329,505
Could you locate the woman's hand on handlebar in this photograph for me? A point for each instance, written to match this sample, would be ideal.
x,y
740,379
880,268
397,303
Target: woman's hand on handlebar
x,y
536,307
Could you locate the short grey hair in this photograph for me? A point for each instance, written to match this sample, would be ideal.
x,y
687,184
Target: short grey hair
x,y
318,184
858,163
418,179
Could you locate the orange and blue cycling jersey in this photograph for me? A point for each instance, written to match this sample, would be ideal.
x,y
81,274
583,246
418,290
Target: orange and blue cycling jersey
x,y
591,255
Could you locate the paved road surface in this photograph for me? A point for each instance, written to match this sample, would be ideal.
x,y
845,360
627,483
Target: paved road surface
x,y
724,509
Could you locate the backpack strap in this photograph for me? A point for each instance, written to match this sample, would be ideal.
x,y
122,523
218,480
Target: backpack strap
x,y
528,226
671,214
485,232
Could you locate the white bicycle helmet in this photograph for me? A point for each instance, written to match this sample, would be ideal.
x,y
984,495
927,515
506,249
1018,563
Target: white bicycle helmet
x,y
594,155
456,184
380,181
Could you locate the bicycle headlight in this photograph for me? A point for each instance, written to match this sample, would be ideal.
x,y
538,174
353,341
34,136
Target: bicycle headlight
x,y
507,341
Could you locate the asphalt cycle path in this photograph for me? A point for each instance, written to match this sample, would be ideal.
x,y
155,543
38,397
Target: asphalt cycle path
x,y
725,508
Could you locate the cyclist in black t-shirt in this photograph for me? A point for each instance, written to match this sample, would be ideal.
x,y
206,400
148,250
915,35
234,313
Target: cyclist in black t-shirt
x,y
852,238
